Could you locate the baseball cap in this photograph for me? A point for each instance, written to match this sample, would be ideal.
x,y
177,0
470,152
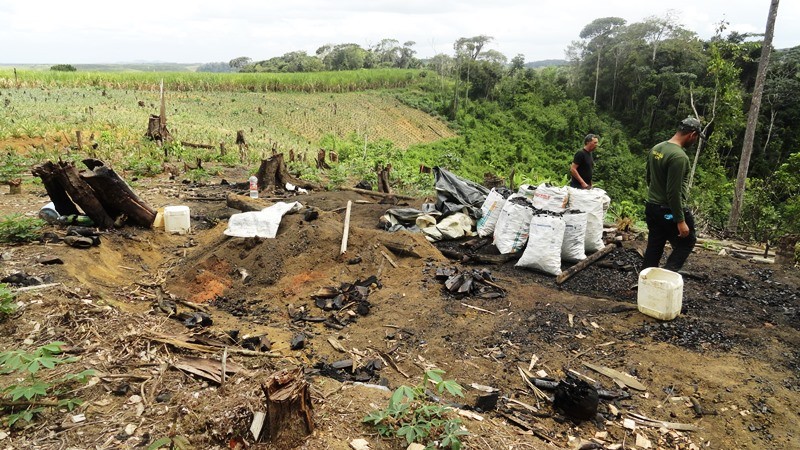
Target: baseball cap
x,y
692,124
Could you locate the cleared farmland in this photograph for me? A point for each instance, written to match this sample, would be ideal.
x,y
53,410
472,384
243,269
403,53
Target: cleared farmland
x,y
117,118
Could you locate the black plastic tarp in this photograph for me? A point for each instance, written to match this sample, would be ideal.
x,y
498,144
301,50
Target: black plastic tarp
x,y
456,194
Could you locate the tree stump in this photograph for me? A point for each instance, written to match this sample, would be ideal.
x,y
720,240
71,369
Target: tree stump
x,y
321,164
785,249
288,418
15,186
242,143
383,178
273,172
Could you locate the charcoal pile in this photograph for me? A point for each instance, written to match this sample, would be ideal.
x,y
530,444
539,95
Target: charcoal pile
x,y
472,283
347,301
348,370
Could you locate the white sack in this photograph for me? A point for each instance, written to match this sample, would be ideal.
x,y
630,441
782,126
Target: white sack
x,y
262,223
456,226
550,198
572,249
544,245
453,226
528,191
491,211
513,225
591,201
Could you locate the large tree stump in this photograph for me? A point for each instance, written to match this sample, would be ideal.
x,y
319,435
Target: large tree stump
x,y
156,131
58,195
288,418
273,172
785,249
383,178
115,195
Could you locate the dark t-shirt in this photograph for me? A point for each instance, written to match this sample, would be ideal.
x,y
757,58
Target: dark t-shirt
x,y
585,162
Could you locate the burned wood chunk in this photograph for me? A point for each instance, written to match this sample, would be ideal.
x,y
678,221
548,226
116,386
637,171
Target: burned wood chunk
x,y
577,399
477,283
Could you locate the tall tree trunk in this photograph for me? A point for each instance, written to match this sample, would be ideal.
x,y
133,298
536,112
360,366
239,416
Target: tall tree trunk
x,y
597,74
752,121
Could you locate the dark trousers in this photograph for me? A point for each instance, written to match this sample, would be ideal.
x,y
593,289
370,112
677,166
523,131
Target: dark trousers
x,y
662,228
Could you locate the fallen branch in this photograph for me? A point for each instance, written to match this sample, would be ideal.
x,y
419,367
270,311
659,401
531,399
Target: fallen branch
x,y
389,258
175,342
377,194
477,258
565,275
478,309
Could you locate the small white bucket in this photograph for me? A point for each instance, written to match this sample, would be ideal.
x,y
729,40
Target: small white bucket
x,y
660,293
176,219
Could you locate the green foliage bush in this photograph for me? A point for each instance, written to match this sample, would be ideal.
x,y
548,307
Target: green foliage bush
x,y
17,229
7,304
410,415
36,368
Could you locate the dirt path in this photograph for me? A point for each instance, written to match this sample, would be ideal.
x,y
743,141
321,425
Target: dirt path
x,y
733,350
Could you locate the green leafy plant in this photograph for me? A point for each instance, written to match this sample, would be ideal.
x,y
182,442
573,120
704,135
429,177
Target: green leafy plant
x,y
412,416
7,304
175,442
16,228
624,214
35,393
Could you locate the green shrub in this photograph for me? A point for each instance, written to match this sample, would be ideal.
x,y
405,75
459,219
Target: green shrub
x,y
35,367
19,229
7,304
411,416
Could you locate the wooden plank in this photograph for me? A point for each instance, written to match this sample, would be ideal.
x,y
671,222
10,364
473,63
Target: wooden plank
x,y
624,378
346,231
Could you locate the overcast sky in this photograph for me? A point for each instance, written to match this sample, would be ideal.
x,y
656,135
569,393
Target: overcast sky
x,y
94,31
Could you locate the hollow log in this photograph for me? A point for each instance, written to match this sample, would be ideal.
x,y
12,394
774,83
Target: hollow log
x,y
288,418
47,173
82,194
115,195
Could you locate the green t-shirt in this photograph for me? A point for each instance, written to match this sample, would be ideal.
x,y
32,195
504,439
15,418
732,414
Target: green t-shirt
x,y
668,177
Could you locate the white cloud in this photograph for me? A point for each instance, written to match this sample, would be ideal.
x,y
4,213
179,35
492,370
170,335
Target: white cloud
x,y
85,31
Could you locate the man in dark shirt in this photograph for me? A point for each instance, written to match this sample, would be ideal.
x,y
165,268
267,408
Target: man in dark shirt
x,y
667,214
583,163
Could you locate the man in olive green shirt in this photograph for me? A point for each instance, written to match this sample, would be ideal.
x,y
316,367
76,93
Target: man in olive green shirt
x,y
667,215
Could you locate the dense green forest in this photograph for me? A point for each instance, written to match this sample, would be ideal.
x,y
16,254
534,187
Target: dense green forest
x,y
631,84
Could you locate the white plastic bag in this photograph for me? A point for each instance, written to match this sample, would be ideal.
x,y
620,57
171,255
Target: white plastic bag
x,y
572,249
544,244
591,201
513,225
491,212
262,223
550,198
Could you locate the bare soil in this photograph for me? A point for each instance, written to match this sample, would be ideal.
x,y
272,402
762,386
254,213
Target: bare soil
x,y
734,348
